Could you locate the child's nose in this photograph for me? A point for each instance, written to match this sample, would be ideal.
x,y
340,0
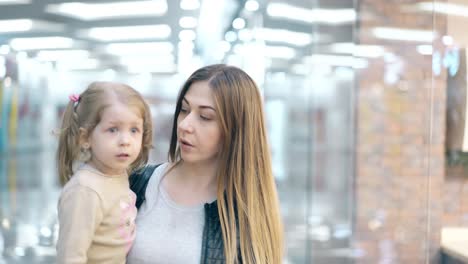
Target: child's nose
x,y
124,138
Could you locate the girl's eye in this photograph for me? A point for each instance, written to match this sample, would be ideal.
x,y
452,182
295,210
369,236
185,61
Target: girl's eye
x,y
112,129
183,110
135,130
205,118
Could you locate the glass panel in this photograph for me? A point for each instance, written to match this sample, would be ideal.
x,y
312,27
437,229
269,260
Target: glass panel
x,y
365,103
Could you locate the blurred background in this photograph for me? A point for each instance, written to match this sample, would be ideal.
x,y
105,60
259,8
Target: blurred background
x,y
365,103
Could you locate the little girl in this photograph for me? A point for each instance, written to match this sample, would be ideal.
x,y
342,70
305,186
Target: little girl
x,y
106,132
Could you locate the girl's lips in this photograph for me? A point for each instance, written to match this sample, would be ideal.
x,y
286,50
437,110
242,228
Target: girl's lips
x,y
123,155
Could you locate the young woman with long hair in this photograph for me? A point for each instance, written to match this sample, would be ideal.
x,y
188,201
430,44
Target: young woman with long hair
x,y
215,201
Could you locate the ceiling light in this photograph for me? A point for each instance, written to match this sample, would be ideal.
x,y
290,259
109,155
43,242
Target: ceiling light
x,y
238,23
327,16
230,36
285,36
23,25
185,45
41,43
403,34
96,11
334,60
444,8
55,55
251,5
424,49
245,34
15,25
189,4
139,47
85,64
447,40
366,51
187,35
129,32
188,22
14,2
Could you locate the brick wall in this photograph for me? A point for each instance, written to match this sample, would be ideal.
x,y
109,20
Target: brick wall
x,y
400,142
455,196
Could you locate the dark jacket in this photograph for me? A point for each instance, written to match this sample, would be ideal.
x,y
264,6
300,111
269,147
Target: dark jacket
x,y
213,246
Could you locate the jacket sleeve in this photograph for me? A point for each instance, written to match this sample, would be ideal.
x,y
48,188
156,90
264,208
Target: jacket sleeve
x,y
79,213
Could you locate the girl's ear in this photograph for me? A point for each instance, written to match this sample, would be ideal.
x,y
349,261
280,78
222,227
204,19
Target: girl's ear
x,y
83,136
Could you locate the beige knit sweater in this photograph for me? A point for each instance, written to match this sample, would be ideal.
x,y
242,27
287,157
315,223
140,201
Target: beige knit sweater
x,y
96,218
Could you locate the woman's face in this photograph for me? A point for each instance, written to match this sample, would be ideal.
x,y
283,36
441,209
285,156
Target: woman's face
x,y
198,130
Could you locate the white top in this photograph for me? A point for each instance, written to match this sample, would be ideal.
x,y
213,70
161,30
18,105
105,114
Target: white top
x,y
167,232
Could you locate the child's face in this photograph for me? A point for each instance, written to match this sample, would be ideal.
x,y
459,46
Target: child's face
x,y
117,138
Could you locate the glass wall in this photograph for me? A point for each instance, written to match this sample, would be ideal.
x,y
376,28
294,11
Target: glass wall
x,y
365,105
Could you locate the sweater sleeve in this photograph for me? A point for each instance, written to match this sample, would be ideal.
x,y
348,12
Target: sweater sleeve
x,y
79,213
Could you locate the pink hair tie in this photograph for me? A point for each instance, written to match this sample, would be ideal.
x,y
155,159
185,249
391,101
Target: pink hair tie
x,y
74,97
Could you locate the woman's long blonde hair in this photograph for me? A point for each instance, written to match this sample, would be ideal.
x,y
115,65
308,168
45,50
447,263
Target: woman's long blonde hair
x,y
246,186
86,114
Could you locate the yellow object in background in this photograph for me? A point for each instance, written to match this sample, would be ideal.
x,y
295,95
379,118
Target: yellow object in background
x,y
13,124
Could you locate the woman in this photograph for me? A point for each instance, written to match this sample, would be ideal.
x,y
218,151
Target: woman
x,y
215,201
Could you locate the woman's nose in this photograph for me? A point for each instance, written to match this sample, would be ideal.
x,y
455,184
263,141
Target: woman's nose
x,y
186,124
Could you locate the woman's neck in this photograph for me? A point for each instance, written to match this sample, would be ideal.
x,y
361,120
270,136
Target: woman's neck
x,y
196,175
191,184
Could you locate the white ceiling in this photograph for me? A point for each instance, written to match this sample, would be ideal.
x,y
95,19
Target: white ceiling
x,y
214,19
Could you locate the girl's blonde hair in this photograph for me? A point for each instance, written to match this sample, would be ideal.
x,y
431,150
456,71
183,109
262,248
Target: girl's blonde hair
x,y
86,114
246,186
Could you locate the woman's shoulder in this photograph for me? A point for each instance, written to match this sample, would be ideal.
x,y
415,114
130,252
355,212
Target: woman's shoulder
x,y
158,172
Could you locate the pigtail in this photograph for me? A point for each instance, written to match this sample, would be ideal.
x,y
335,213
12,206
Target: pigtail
x,y
68,148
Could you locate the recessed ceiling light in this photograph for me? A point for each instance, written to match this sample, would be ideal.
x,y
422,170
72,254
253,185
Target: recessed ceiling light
x,y
187,35
238,23
285,36
25,25
128,32
140,47
189,4
55,55
96,11
188,22
443,8
14,2
41,43
251,5
404,34
317,15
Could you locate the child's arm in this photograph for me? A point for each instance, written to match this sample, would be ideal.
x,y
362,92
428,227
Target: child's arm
x,y
79,213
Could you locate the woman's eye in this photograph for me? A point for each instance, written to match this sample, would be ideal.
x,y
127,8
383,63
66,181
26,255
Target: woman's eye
x,y
183,110
205,118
